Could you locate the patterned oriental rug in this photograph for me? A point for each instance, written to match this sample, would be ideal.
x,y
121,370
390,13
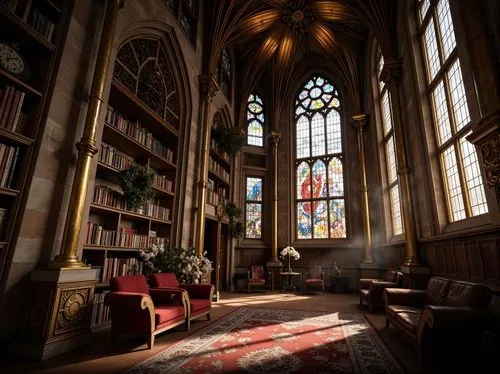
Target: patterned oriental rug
x,y
259,340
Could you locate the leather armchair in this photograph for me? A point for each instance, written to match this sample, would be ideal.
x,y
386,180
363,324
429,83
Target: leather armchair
x,y
371,291
446,318
199,295
136,309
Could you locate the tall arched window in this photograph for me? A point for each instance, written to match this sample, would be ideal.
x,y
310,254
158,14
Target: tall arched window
x,y
255,121
459,165
320,200
389,149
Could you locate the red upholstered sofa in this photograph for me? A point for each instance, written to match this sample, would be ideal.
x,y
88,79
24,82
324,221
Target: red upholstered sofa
x,y
445,319
200,295
137,309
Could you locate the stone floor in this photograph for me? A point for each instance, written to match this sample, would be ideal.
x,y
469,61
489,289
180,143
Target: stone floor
x,y
101,357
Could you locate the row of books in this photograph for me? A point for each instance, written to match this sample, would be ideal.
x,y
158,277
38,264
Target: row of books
x,y
100,312
8,161
114,157
214,198
41,23
223,154
140,134
116,266
130,238
11,103
96,235
3,221
103,195
163,182
216,168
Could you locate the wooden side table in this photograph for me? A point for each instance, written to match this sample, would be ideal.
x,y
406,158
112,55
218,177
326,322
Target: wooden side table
x,y
339,283
287,282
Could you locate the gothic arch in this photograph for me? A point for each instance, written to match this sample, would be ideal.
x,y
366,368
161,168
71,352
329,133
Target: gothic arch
x,y
174,57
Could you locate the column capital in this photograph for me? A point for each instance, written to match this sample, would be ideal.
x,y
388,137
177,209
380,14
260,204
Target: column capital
x,y
220,212
359,121
391,72
121,3
275,138
208,86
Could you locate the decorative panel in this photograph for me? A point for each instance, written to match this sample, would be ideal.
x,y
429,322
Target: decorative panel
x,y
462,261
451,268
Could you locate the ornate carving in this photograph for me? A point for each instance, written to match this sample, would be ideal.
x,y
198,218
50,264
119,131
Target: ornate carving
x,y
275,138
72,309
208,86
298,15
124,77
126,56
359,122
151,89
490,157
391,72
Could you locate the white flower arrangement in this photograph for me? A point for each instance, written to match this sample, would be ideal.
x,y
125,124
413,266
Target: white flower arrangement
x,y
290,252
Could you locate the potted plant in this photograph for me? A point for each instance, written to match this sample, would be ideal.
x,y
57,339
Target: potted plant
x,y
234,215
137,184
229,139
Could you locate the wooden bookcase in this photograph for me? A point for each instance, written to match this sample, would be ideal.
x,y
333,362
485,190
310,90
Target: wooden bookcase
x,y
219,175
36,30
133,133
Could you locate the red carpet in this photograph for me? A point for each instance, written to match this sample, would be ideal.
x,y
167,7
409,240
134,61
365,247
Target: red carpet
x,y
256,340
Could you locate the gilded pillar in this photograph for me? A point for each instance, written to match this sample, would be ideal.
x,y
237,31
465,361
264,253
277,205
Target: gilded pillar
x,y
485,65
87,145
275,138
208,88
391,75
359,122
220,212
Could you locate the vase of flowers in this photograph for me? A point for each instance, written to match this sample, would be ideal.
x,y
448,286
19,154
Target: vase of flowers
x,y
289,252
185,263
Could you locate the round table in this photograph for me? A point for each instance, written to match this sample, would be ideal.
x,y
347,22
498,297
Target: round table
x,y
288,285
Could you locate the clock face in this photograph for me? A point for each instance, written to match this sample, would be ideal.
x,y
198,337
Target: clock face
x,y
10,60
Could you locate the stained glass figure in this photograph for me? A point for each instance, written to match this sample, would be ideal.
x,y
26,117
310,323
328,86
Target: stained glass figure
x,y
253,208
320,209
255,121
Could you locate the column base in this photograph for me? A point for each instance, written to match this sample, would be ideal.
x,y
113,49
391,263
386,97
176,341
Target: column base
x,y
275,266
59,312
415,277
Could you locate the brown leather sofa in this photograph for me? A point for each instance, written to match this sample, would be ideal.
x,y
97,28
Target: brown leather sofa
x,y
371,291
446,318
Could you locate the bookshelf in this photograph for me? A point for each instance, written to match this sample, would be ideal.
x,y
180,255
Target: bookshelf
x,y
219,170
31,40
140,127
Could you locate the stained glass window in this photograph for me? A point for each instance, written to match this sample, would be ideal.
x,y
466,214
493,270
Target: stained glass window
x,y
459,164
253,208
224,72
186,13
320,200
255,121
387,146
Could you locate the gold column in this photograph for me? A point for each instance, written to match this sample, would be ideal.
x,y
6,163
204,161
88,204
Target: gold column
x,y
275,138
359,122
208,87
220,212
391,75
87,145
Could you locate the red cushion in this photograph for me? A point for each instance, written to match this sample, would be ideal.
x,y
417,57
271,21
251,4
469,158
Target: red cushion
x,y
131,283
314,281
165,313
259,281
198,305
164,280
257,272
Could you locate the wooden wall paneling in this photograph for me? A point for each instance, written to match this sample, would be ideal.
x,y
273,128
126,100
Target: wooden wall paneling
x,y
430,252
490,252
440,260
461,260
475,263
449,255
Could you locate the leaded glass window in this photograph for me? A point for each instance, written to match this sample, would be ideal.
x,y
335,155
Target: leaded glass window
x,y
224,73
320,196
186,13
253,208
390,169
459,164
255,121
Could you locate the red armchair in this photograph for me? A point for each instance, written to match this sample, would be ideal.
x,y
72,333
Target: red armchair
x,y
259,278
315,278
136,309
200,295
